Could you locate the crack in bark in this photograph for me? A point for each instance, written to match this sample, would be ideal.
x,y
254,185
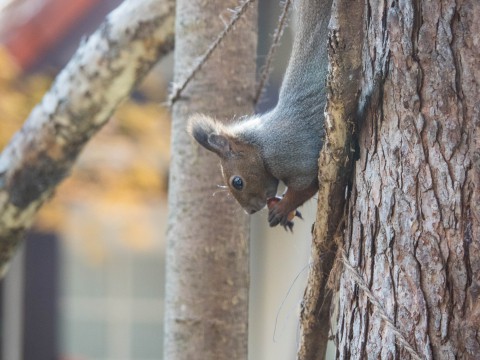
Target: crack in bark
x,y
438,86
359,282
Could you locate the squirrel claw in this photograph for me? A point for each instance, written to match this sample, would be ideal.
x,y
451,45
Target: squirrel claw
x,y
298,214
289,226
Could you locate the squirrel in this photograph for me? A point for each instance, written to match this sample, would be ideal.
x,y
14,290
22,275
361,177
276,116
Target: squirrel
x,y
258,151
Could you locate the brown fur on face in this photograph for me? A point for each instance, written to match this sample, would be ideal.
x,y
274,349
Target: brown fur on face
x,y
239,160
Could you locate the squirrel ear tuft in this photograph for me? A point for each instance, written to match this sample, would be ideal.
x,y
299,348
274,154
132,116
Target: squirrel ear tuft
x,y
208,133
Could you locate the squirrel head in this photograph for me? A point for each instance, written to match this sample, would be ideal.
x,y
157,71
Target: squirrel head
x,y
242,164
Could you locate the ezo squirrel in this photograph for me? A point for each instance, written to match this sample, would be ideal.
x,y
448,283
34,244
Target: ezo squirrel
x,y
284,144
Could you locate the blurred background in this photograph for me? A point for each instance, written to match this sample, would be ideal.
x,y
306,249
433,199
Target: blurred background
x,y
89,281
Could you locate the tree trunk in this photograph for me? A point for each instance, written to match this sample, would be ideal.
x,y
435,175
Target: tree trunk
x,y
335,168
208,243
99,76
412,226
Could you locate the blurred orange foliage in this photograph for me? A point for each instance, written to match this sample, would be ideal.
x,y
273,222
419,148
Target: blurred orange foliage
x,y
125,166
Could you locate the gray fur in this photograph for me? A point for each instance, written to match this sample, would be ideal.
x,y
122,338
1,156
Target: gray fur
x,y
283,144
291,134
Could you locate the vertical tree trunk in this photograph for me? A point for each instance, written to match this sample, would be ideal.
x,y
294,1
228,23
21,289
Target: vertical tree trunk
x,y
413,221
208,242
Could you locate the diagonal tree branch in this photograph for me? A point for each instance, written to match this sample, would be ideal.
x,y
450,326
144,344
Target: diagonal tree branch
x,y
103,71
345,49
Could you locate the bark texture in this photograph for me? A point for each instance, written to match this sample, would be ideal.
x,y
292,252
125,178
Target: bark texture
x,y
413,220
335,162
102,73
208,243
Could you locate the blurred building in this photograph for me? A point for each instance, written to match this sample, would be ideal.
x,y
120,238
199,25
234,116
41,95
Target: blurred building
x,y
89,281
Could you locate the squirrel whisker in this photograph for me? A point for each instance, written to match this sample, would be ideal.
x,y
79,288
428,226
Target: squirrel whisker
x,y
258,151
222,189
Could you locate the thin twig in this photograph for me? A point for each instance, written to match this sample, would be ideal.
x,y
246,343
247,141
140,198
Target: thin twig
x,y
282,22
401,338
237,14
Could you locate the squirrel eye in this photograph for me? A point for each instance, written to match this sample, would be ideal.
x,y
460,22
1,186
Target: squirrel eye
x,y
237,182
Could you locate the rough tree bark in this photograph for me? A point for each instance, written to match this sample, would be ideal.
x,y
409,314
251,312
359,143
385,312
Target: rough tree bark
x,y
413,217
208,243
100,75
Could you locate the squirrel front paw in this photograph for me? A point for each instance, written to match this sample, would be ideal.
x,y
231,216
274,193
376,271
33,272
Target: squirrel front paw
x,y
279,213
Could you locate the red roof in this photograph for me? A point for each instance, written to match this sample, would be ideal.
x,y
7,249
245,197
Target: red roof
x,y
31,40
